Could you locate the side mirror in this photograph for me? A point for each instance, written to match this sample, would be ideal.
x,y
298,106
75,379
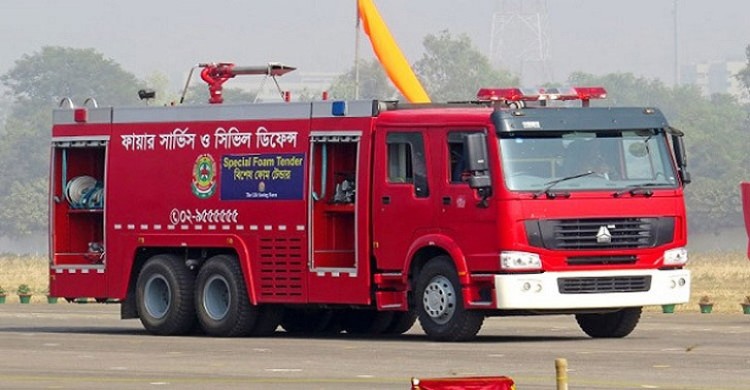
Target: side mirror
x,y
475,150
680,156
475,153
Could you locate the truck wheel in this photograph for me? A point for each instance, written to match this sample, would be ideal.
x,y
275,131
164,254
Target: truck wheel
x,y
164,296
402,321
440,303
362,322
221,300
610,325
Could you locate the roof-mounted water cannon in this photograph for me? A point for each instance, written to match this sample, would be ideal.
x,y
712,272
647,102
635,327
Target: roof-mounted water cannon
x,y
514,97
216,74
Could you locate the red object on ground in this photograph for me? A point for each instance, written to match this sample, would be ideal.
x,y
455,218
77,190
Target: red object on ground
x,y
469,383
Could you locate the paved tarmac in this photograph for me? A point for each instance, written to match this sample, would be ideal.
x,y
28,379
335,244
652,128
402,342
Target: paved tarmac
x,y
87,346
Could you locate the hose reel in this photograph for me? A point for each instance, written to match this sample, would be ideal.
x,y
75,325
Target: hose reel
x,y
85,192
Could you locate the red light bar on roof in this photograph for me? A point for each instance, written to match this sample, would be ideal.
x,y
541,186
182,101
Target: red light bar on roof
x,y
509,94
527,94
565,93
586,93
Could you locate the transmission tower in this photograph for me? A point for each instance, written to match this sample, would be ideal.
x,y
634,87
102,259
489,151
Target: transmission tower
x,y
520,40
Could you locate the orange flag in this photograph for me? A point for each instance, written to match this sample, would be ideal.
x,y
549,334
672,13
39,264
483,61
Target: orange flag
x,y
389,54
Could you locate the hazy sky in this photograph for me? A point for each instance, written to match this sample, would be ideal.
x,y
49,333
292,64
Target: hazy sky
x,y
595,36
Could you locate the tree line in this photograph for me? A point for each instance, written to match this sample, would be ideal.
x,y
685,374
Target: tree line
x,y
451,69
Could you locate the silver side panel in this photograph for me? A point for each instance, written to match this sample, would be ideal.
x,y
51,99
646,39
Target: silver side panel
x,y
209,113
355,108
335,136
80,141
216,112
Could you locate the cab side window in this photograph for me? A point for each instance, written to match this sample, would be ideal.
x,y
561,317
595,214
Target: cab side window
x,y
406,161
456,161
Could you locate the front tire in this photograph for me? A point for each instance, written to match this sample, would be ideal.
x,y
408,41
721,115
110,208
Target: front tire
x,y
221,300
164,296
610,325
439,302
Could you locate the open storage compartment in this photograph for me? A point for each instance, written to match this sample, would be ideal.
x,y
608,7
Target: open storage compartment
x,y
78,203
333,216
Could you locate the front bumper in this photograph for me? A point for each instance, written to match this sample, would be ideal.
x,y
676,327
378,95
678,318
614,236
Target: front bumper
x,y
541,291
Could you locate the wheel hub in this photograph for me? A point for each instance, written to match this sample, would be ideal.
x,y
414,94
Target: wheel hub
x,y
216,297
157,296
439,299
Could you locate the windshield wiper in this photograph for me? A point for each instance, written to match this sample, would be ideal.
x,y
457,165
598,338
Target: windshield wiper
x,y
550,184
637,189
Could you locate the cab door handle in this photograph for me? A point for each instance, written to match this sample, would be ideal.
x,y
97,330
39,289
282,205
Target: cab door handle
x,y
447,200
386,200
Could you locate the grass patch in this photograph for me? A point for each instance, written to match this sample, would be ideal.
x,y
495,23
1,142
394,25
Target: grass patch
x,y
723,276
30,270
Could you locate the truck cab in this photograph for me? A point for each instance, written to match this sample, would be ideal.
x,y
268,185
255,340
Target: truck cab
x,y
532,210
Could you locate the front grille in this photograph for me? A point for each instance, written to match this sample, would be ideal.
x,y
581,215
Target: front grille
x,y
605,284
582,233
600,233
601,260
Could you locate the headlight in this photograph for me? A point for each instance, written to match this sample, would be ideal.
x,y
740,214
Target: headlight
x,y
520,261
676,256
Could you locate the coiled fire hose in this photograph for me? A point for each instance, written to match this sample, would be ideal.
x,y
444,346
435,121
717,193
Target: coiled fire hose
x,y
84,192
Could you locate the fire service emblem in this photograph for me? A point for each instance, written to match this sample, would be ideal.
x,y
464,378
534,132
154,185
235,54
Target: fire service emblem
x,y
204,176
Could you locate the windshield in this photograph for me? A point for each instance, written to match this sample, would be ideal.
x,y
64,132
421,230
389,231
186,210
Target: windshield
x,y
586,160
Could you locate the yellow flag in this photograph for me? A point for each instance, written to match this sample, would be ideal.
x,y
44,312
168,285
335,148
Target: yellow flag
x,y
389,54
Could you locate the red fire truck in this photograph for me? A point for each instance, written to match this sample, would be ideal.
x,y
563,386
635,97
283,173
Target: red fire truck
x,y
362,216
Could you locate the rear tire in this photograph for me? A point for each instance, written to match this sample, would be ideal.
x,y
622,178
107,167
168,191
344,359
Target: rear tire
x,y
610,325
221,300
439,302
164,296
